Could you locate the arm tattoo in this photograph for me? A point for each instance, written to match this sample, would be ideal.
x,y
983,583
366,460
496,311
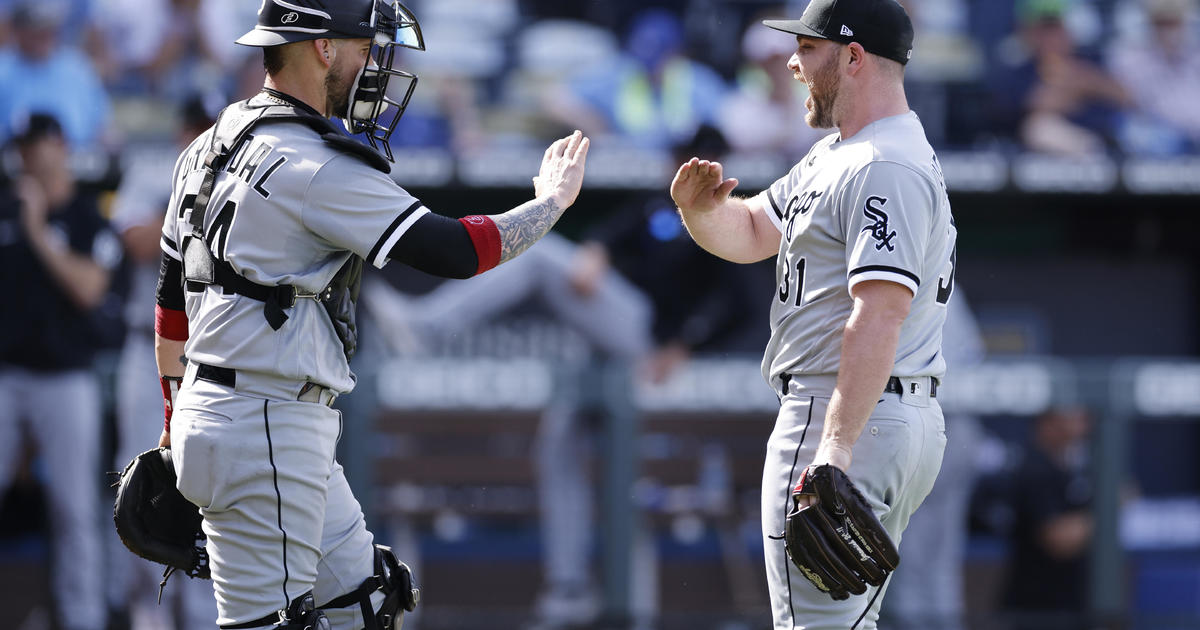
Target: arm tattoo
x,y
183,360
522,226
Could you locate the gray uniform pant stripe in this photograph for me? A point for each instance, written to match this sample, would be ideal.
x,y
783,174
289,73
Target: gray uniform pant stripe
x,y
786,507
278,502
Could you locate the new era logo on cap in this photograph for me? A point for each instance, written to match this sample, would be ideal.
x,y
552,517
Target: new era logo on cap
x,y
846,31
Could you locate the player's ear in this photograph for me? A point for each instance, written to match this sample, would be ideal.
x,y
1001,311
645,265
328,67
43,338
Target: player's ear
x,y
326,50
856,55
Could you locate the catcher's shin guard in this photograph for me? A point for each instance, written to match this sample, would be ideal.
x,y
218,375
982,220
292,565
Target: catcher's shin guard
x,y
301,614
392,578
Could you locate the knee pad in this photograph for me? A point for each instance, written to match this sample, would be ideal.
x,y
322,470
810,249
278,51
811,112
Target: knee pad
x,y
400,593
301,614
394,580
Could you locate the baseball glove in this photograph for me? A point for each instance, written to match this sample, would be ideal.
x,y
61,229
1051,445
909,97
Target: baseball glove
x,y
154,520
837,543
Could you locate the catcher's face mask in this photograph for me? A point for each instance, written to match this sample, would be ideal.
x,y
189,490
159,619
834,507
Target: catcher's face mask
x,y
380,88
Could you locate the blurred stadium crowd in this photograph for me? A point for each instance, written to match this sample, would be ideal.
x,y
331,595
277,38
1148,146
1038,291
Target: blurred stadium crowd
x,y
122,82
1058,76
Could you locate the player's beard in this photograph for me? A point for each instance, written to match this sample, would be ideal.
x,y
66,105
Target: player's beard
x,y
823,94
338,86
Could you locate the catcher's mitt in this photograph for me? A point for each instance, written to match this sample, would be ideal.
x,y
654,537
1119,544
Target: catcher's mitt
x,y
837,543
154,520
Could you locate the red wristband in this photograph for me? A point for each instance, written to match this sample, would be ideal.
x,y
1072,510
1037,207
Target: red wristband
x,y
170,323
170,389
485,236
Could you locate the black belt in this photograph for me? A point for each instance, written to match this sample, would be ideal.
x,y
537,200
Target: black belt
x,y
309,392
895,387
216,374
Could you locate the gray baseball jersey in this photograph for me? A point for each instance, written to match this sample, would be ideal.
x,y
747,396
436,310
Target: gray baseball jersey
x,y
872,207
281,213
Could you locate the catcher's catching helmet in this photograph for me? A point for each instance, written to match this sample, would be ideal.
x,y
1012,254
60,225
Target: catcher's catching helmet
x,y
379,86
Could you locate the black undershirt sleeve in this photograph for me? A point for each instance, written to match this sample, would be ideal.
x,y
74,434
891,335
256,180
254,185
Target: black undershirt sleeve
x,y
439,246
169,293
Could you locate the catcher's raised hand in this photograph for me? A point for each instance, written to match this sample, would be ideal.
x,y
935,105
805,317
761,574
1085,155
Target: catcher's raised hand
x,y
561,173
699,186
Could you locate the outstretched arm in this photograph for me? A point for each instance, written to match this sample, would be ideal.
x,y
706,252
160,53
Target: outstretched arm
x,y
555,189
735,229
474,244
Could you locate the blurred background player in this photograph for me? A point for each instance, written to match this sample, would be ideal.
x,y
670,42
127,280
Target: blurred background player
x,y
138,212
926,591
1051,494
700,302
612,316
59,256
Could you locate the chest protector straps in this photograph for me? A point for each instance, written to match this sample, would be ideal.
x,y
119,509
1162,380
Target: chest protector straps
x,y
200,268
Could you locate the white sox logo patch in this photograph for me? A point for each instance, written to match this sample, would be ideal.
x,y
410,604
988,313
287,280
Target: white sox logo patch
x,y
879,230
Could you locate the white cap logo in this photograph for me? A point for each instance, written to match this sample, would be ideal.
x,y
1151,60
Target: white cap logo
x,y
846,31
289,17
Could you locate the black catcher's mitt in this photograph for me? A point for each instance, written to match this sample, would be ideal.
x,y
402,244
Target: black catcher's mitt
x,y
154,520
837,544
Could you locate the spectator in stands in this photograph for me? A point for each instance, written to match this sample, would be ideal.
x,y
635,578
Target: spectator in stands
x,y
948,51
1051,97
57,258
138,212
653,96
130,34
41,73
765,112
1161,70
164,49
1052,525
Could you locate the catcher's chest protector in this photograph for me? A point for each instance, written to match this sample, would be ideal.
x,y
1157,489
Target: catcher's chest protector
x,y
200,268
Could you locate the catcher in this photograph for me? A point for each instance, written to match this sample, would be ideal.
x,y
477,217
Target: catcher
x,y
274,215
862,232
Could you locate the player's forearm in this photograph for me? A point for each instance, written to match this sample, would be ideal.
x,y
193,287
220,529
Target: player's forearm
x,y
168,353
526,224
729,231
868,355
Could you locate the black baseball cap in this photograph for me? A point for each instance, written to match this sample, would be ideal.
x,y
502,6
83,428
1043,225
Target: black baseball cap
x,y
286,21
34,127
882,27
